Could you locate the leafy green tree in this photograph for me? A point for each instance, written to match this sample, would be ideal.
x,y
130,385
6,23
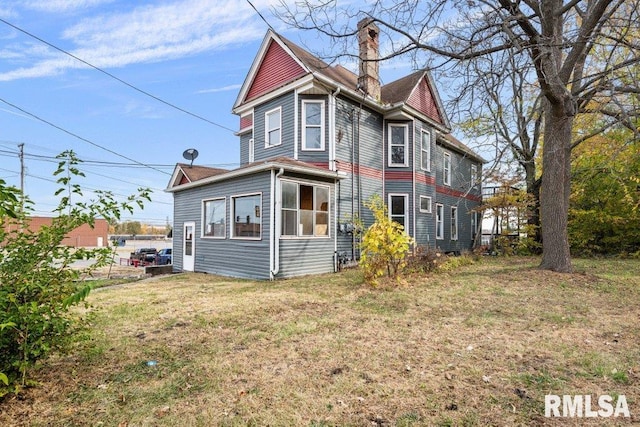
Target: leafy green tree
x,y
384,245
38,285
9,203
604,217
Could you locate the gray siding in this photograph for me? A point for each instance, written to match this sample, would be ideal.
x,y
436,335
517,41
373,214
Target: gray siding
x,y
228,256
250,258
286,148
460,186
306,256
244,147
360,144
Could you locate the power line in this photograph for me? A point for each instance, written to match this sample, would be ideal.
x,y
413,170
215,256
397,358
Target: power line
x,y
261,16
79,137
197,116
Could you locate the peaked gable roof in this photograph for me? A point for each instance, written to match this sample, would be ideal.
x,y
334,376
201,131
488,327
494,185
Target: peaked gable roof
x,y
184,174
206,175
276,69
280,62
416,90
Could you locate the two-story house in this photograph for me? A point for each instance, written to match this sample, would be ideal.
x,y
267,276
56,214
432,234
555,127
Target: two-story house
x,y
316,143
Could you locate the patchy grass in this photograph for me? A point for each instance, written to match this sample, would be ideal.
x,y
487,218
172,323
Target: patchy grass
x,y
478,346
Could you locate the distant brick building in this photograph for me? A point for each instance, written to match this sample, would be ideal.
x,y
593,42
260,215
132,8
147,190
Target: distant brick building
x,y
83,236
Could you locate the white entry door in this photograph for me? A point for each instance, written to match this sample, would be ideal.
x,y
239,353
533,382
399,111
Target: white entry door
x,y
188,247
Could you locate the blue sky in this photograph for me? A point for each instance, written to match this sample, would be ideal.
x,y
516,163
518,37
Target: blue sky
x,y
194,54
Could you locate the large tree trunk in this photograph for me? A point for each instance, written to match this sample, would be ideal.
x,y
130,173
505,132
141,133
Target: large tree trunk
x,y
556,188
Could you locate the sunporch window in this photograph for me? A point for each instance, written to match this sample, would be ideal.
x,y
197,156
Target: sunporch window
x,y
305,210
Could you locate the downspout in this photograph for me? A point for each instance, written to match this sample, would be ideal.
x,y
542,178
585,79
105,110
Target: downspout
x,y
332,130
413,208
333,167
295,124
275,227
353,181
271,223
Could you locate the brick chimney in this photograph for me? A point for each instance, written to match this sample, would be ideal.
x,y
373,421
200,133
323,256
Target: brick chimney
x,y
369,76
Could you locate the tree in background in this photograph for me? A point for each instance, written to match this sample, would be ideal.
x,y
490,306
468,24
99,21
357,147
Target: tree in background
x,y
604,217
38,285
562,44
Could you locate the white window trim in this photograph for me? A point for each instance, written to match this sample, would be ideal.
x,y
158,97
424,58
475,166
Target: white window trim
x,y
430,204
204,218
233,216
406,145
266,127
406,208
299,236
252,150
422,151
446,173
304,124
454,225
439,222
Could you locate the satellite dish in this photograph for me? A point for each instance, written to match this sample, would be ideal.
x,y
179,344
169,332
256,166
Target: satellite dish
x,y
190,154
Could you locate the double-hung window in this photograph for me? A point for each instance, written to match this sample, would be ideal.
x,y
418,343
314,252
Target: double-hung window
x,y
398,145
313,125
425,150
305,210
439,221
273,127
214,215
446,169
398,208
245,211
454,223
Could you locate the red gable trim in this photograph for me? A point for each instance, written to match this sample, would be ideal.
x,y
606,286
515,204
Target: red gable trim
x,y
277,69
422,99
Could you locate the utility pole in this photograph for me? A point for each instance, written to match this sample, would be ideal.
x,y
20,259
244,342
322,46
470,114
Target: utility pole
x,y
21,156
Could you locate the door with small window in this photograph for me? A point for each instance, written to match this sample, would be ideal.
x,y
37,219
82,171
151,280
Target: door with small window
x,y
188,246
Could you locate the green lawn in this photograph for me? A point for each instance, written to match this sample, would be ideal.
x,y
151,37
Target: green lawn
x,y
478,346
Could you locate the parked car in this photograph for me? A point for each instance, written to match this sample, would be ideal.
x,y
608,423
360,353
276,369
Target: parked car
x,y
164,257
147,255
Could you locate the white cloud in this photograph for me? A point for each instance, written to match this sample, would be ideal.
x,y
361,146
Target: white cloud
x,y
63,5
150,33
220,89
